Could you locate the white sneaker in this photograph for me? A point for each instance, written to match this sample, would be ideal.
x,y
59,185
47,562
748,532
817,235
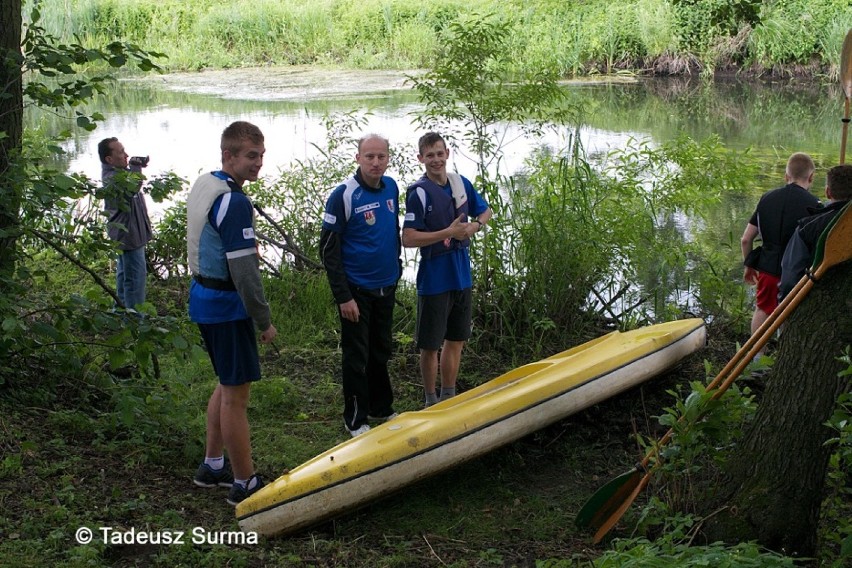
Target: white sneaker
x,y
359,430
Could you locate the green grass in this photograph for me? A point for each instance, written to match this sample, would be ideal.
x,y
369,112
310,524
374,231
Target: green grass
x,y
63,472
513,502
108,451
95,450
576,37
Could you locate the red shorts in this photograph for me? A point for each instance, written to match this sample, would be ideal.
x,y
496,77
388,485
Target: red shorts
x,y
767,292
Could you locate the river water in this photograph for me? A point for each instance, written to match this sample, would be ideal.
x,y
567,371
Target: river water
x,y
177,120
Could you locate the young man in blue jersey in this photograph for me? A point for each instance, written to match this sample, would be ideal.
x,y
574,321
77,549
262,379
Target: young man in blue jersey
x,y
360,248
227,301
442,212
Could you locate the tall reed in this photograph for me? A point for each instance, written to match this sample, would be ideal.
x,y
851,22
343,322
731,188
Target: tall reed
x,y
578,38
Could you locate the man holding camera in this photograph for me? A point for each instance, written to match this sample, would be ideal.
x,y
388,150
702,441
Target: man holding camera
x,y
128,222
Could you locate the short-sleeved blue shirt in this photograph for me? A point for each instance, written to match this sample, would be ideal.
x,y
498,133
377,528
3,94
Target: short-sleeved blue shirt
x,y
449,271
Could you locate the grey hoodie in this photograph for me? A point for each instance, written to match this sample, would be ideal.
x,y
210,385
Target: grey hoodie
x,y
128,215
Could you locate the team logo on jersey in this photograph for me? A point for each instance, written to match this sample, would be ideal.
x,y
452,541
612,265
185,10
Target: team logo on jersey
x,y
390,206
248,233
329,218
370,217
367,207
409,216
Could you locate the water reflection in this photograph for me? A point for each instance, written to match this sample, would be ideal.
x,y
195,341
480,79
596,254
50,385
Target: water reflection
x,y
180,130
167,118
774,119
178,120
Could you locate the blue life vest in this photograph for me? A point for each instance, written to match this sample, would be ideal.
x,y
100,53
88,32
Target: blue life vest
x,y
442,211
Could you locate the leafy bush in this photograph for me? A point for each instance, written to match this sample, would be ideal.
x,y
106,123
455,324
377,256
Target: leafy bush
x,y
704,429
42,328
795,31
699,21
166,253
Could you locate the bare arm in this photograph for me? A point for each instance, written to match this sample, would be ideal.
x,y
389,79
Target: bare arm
x,y
747,240
485,216
746,244
480,221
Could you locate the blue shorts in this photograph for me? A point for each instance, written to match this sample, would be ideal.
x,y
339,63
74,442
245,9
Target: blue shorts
x,y
443,316
232,347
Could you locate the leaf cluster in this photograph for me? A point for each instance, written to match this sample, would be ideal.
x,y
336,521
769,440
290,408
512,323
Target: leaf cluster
x,y
51,69
475,84
704,427
838,501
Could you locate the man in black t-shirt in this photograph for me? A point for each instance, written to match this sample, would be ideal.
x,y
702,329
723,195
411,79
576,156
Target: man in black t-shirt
x,y
774,220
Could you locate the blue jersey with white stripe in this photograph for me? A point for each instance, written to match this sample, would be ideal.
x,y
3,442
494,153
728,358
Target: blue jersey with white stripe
x,y
228,233
367,220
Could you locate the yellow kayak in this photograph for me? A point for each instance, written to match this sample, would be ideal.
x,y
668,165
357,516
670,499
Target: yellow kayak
x,y
416,445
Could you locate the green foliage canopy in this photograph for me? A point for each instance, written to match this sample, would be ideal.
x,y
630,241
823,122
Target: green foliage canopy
x,y
41,213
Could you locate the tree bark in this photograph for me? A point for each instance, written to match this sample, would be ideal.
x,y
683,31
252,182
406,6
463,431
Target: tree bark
x,y
11,123
775,481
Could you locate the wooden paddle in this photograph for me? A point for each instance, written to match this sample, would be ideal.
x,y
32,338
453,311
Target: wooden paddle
x,y
846,83
611,501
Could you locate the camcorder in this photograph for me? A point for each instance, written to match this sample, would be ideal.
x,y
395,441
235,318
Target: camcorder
x,y
140,161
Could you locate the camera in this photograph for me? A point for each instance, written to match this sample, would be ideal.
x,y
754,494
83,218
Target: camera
x,y
140,161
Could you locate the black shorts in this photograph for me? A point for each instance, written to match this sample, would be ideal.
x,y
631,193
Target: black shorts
x,y
443,316
232,347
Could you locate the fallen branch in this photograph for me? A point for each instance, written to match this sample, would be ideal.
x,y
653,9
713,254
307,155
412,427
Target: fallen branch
x,y
58,248
288,245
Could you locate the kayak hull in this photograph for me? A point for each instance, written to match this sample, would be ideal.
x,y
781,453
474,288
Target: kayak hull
x,y
419,444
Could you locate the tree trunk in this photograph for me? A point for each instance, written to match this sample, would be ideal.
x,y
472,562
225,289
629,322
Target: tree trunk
x,y
11,123
777,477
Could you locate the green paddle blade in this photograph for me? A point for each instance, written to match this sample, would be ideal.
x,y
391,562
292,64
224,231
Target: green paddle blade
x,y
607,499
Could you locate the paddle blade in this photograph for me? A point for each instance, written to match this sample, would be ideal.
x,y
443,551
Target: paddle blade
x,y
608,522
608,499
833,246
846,65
